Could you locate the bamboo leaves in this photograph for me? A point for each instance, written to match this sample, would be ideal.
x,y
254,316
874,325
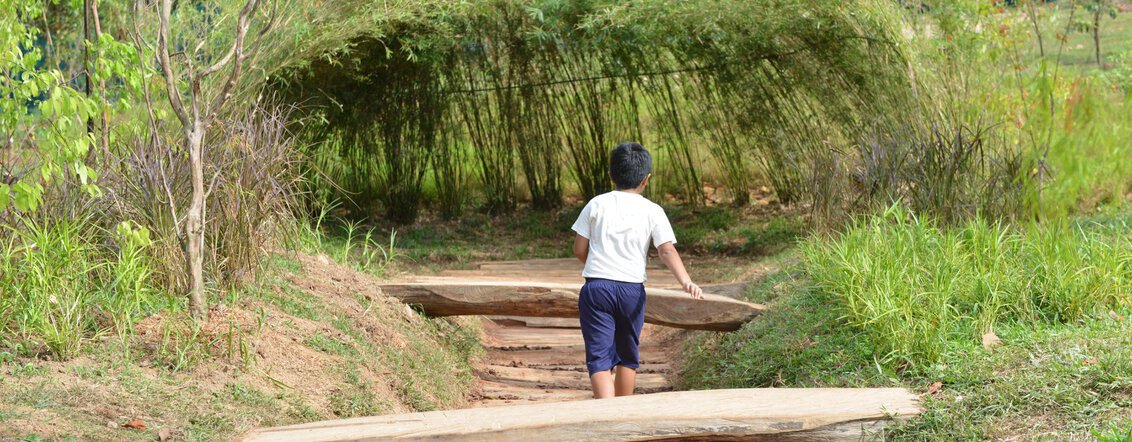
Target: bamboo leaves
x,y
530,89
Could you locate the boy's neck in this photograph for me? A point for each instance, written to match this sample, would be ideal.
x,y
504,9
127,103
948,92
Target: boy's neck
x,y
632,191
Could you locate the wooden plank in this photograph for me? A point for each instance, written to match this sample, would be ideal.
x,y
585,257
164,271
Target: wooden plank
x,y
534,337
557,270
561,355
561,379
448,297
659,368
498,391
533,322
752,414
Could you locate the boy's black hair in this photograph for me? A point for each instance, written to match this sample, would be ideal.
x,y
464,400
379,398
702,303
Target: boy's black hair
x,y
629,164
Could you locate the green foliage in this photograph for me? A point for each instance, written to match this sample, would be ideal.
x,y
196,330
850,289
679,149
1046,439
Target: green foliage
x,y
1045,102
1114,433
358,400
798,342
330,345
183,344
132,289
59,290
1088,151
915,289
43,118
1062,380
1121,73
543,83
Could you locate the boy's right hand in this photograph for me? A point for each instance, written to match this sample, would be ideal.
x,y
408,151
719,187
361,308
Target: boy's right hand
x,y
693,290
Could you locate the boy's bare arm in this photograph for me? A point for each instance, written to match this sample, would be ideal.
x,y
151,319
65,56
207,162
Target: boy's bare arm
x,y
581,248
671,259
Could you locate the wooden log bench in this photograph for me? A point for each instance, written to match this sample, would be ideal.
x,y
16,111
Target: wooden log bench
x,y
740,414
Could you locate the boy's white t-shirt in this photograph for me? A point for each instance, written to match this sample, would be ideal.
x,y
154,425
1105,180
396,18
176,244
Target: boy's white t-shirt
x,y
619,225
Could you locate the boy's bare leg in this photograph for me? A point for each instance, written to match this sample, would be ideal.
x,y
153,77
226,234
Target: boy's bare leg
x,y
602,383
626,380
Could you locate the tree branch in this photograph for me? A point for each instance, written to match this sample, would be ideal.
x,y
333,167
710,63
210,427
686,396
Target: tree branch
x,y
165,10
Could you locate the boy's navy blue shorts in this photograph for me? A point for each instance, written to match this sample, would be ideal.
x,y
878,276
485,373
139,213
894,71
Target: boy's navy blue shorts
x,y
612,313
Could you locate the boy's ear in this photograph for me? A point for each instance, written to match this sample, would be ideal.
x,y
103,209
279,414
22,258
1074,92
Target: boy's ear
x,y
646,180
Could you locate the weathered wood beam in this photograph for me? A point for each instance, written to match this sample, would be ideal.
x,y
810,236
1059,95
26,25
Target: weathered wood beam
x,y
743,414
561,379
447,297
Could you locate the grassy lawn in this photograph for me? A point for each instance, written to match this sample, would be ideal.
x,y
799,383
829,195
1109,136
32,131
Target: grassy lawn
x,y
1047,378
1079,52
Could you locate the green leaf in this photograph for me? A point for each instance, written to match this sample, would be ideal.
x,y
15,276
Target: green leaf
x,y
27,197
81,170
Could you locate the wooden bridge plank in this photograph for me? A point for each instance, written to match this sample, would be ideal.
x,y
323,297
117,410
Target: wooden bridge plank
x,y
562,379
533,322
797,414
452,297
560,355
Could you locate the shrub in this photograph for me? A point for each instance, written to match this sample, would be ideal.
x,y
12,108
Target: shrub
x,y
254,193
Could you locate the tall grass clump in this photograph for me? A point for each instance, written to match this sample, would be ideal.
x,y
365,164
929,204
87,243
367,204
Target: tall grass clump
x,y
58,289
255,189
918,291
1074,122
948,169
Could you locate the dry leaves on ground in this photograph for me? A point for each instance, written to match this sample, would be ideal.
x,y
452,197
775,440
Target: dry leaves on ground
x,y
135,424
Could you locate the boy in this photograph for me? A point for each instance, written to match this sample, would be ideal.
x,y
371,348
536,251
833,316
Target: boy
x,y
613,233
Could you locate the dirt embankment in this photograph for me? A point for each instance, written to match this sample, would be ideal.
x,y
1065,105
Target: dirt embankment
x,y
313,340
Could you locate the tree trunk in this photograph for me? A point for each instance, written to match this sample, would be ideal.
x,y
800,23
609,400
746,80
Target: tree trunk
x,y
194,222
1097,35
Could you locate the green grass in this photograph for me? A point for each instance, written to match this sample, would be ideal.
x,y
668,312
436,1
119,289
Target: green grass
x,y
327,344
898,302
1079,52
292,300
1117,432
59,290
1089,152
357,398
919,291
383,359
1087,136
